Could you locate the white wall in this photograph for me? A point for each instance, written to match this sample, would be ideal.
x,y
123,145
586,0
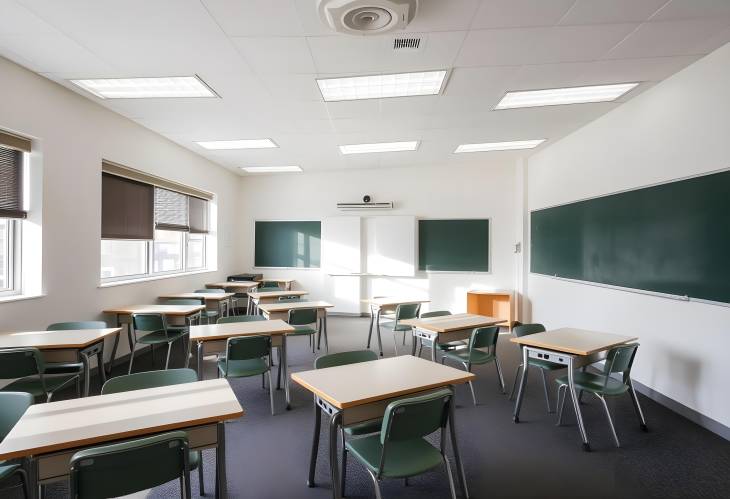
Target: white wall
x,y
676,129
486,191
72,135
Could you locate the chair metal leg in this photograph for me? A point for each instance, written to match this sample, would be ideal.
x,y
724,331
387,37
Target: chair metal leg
x,y
420,346
561,403
514,383
131,360
471,386
152,354
451,477
167,360
610,421
637,407
395,344
315,444
547,395
201,482
499,373
376,485
24,482
344,463
271,393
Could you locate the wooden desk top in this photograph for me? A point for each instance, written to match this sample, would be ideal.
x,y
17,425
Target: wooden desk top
x,y
232,284
172,310
207,296
455,322
290,305
275,294
224,331
49,340
392,300
365,382
575,341
74,423
282,281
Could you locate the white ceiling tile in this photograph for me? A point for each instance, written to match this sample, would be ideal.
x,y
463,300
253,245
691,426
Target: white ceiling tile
x,y
51,52
518,13
539,76
276,54
500,47
630,70
579,43
611,11
358,109
692,9
292,87
479,81
437,15
656,39
256,17
18,20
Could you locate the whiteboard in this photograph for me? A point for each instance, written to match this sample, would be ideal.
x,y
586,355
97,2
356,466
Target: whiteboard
x,y
391,245
341,245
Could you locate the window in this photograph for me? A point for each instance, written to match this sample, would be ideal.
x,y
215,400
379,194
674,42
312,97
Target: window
x,y
150,226
6,255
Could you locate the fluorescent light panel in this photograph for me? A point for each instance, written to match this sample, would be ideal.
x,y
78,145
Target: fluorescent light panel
x,y
499,146
380,86
238,144
270,169
560,96
146,88
379,147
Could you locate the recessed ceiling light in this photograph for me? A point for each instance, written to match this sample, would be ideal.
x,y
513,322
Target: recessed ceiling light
x,y
146,88
559,96
270,169
379,147
499,146
380,86
238,144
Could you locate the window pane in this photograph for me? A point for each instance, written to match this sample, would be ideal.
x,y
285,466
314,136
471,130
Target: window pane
x,y
196,251
167,254
123,258
4,254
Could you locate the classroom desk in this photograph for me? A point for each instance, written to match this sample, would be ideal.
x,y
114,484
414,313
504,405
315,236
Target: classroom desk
x,y
574,348
280,310
360,392
215,299
238,286
211,339
283,283
377,306
49,434
184,311
65,346
447,328
257,298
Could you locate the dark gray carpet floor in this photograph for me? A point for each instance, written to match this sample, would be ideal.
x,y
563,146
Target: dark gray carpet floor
x,y
267,456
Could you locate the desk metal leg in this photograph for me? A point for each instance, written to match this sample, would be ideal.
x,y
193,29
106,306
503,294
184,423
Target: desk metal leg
x,y
455,446
576,405
200,361
87,377
326,339
221,485
114,349
370,329
319,333
334,464
284,365
315,443
377,328
433,348
100,363
523,384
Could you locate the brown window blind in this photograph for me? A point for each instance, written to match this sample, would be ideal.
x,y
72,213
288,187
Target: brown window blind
x,y
198,213
11,183
14,142
171,210
127,208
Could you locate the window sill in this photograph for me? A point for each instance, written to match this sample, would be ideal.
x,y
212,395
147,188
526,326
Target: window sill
x,y
153,278
12,298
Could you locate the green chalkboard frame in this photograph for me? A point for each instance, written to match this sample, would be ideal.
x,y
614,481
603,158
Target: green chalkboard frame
x,y
431,250
274,241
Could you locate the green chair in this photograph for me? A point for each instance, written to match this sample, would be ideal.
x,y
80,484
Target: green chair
x,y
481,338
400,449
618,360
26,367
135,465
269,285
212,315
240,318
357,429
545,366
12,407
72,367
195,318
442,347
157,331
402,312
304,321
248,356
154,379
289,299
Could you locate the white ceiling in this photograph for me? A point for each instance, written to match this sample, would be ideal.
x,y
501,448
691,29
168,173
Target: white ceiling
x,y
262,58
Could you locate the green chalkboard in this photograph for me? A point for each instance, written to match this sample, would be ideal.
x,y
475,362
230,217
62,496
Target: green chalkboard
x,y
287,244
672,238
453,245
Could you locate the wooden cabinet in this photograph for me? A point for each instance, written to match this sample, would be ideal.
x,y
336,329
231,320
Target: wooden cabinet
x,y
491,303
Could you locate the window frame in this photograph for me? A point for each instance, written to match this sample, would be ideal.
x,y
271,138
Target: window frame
x,y
14,254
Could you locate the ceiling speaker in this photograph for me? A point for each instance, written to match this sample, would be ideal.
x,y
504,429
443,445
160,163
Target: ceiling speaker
x,y
366,17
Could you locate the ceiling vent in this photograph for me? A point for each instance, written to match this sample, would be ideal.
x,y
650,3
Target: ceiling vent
x,y
406,43
366,17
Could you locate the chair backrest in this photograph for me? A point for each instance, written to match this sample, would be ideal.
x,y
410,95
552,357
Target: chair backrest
x,y
290,298
248,347
185,301
148,322
484,337
66,326
415,417
302,316
151,379
240,318
407,311
12,407
620,359
127,467
20,362
269,284
527,329
435,313
344,358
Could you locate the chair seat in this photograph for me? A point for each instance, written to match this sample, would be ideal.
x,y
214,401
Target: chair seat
x,y
475,356
545,364
593,383
156,337
63,368
243,368
402,327
303,330
7,469
32,384
451,345
364,428
402,459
